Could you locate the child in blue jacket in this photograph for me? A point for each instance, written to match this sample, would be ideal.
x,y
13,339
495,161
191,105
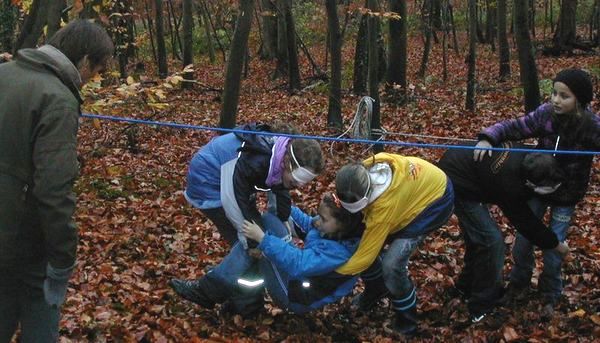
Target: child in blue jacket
x,y
297,279
225,174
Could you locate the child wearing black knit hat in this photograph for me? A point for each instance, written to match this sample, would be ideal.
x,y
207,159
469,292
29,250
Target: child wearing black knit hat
x,y
566,122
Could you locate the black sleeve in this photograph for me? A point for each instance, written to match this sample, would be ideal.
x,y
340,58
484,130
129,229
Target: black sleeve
x,y
283,202
244,179
530,226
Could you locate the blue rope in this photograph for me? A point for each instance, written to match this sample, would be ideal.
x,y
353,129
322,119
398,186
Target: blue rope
x,y
330,139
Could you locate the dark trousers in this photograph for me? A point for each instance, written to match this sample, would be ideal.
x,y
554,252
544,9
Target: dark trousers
x,y
484,256
224,226
22,302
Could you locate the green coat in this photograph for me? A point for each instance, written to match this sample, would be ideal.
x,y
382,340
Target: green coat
x,y
39,110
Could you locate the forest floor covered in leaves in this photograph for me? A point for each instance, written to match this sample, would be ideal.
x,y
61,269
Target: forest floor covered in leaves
x,y
137,231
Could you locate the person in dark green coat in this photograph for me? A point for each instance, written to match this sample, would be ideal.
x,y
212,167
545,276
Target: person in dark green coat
x,y
39,110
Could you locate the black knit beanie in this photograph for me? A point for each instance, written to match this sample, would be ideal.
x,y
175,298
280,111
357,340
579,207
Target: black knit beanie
x,y
579,82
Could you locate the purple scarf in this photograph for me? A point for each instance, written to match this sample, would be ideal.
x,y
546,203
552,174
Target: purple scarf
x,y
276,166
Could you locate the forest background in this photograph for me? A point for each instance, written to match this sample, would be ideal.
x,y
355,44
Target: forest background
x,y
439,71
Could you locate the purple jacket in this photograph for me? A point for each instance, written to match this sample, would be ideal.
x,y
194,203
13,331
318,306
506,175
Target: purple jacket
x,y
576,133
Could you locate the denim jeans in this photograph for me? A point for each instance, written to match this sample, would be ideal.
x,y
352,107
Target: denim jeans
x,y
226,274
550,281
481,277
394,264
22,301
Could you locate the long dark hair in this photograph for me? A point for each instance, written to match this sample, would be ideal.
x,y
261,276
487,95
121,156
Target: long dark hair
x,y
351,224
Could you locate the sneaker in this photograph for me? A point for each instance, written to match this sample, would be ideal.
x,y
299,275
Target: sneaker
x,y
191,291
488,320
367,300
476,318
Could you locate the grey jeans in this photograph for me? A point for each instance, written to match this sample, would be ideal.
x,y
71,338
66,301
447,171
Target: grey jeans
x,y
22,302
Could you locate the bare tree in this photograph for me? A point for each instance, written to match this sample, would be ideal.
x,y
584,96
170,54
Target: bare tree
x,y
188,39
503,48
268,49
373,27
334,113
471,58
397,49
565,36
359,77
235,63
163,69
8,19
529,77
33,25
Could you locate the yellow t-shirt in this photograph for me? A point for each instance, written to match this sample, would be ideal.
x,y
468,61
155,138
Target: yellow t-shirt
x,y
415,184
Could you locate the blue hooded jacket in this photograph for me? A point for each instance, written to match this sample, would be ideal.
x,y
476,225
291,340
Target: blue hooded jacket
x,y
250,173
315,263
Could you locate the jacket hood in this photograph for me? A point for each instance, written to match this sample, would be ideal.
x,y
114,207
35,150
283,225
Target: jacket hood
x,y
52,59
256,143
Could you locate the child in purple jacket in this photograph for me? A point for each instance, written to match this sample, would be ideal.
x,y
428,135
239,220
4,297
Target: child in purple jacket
x,y
565,123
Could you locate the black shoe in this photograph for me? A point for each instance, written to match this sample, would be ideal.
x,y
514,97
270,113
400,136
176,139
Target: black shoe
x,y
190,290
367,300
232,307
459,292
405,322
489,320
475,318
514,294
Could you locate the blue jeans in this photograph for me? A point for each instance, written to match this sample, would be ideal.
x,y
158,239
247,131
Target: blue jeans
x,y
550,281
395,260
226,274
481,277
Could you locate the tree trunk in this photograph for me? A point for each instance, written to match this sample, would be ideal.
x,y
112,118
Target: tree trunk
x,y
532,17
235,63
397,55
8,19
566,35
454,39
292,48
359,77
471,58
33,26
334,112
503,48
281,68
163,69
176,45
373,78
445,18
269,18
55,9
490,24
188,40
426,19
529,78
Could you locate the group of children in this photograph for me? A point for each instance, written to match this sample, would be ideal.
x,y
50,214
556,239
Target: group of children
x,y
385,206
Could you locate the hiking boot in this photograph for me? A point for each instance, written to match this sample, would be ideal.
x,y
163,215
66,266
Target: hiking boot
x,y
190,290
367,300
